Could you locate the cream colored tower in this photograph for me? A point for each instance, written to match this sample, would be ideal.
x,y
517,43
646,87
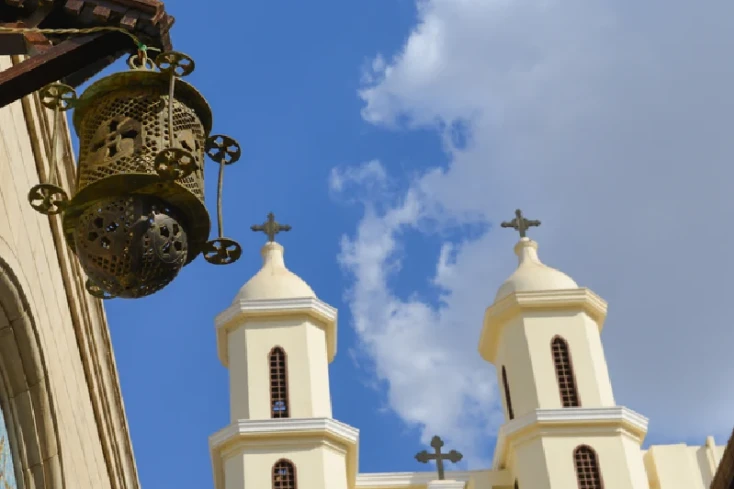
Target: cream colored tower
x,y
542,333
277,339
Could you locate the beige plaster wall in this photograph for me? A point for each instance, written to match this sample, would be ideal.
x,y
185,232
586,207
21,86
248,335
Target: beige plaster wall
x,y
525,351
318,464
92,431
304,343
681,466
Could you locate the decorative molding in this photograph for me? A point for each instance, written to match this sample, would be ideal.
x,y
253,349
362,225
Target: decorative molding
x,y
283,427
446,484
558,422
87,313
497,315
268,307
403,480
408,479
26,396
241,311
330,432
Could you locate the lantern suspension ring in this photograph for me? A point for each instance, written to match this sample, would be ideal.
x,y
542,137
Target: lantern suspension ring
x,y
138,214
49,198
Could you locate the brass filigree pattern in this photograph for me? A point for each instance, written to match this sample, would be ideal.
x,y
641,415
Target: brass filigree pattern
x,y
138,215
48,199
118,138
174,62
125,132
222,149
97,291
131,247
222,251
174,163
58,96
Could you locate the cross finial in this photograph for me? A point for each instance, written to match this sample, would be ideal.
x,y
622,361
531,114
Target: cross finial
x,y
520,223
436,443
271,227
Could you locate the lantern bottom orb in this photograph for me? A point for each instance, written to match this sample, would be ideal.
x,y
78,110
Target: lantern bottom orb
x,y
131,246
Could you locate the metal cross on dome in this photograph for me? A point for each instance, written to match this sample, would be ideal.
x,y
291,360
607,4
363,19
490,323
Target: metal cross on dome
x,y
520,224
271,227
436,443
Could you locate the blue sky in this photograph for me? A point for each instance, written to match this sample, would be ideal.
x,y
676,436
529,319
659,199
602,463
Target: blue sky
x,y
393,135
282,78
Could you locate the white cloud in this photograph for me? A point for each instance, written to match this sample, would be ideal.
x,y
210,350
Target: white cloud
x,y
411,343
366,178
612,123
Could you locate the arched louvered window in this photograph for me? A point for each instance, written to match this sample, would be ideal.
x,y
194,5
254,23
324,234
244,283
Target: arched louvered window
x,y
564,373
508,399
278,383
284,475
587,468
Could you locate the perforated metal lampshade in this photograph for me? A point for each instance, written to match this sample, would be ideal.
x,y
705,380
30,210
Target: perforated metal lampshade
x,y
138,215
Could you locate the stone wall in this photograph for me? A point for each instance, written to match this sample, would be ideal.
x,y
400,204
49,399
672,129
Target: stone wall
x,y
58,379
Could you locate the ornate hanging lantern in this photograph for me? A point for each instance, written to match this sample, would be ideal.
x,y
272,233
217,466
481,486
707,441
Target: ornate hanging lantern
x,y
138,214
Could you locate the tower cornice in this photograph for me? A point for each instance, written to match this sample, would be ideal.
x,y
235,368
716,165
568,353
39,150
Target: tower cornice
x,y
580,299
570,421
292,432
242,312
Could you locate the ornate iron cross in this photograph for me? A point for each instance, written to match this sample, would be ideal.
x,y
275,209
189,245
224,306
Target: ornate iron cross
x,y
520,223
436,443
271,227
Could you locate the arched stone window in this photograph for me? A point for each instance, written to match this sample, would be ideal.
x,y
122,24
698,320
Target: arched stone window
x,y
26,400
587,468
508,399
284,475
7,467
278,383
564,373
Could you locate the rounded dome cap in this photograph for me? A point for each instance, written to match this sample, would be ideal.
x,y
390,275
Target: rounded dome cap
x,y
532,275
274,280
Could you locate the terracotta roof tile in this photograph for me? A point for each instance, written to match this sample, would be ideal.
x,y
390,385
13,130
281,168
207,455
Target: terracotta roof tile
x,y
147,19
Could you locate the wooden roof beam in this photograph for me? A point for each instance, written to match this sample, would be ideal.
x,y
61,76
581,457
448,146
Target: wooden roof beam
x,y
58,62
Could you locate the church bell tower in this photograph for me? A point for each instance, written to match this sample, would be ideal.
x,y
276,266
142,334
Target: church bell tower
x,y
277,340
563,427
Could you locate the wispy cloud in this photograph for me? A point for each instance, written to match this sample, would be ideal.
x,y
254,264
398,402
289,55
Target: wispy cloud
x,y
370,174
611,122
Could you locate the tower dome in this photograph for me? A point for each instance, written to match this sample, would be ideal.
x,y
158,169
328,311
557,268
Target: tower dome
x,y
274,280
531,274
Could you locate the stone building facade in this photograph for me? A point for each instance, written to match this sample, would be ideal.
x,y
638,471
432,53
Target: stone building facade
x,y
59,391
